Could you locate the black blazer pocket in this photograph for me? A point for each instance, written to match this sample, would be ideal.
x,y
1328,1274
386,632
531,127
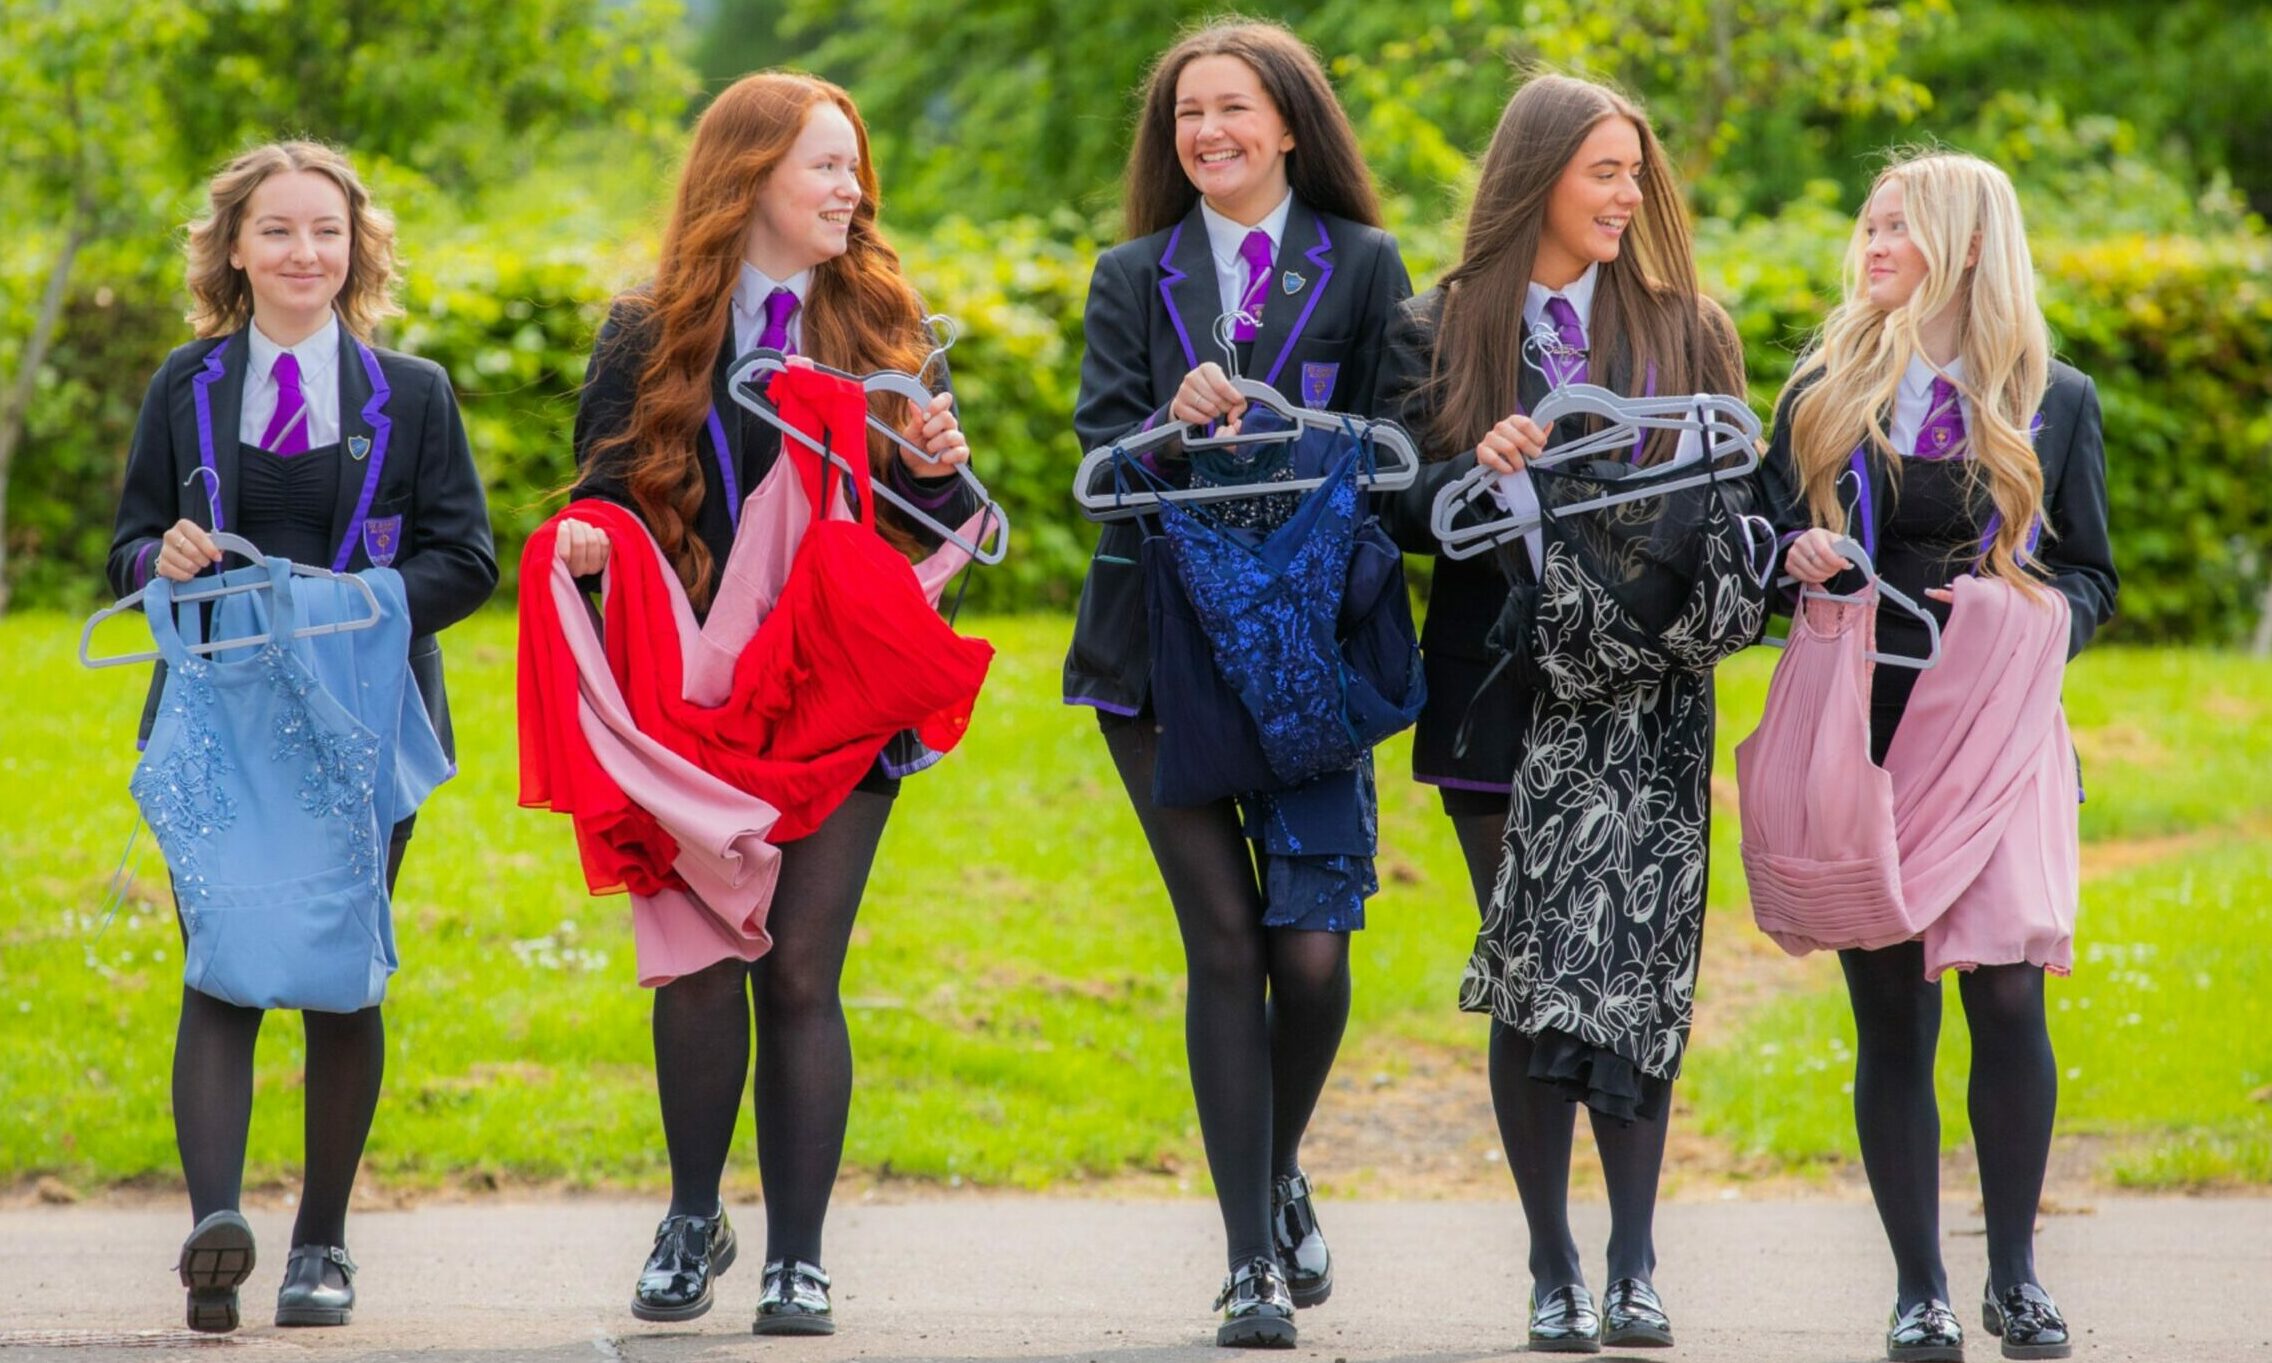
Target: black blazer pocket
x,y
386,531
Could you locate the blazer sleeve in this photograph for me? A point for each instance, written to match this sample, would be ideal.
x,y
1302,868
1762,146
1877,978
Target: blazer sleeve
x,y
1116,377
452,564
603,409
2076,553
1385,292
1408,357
147,504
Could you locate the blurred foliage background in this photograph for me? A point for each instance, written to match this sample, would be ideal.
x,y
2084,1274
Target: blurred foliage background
x,y
526,148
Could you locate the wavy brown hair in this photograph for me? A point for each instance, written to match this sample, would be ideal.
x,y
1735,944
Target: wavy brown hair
x,y
1648,308
221,294
1325,169
859,315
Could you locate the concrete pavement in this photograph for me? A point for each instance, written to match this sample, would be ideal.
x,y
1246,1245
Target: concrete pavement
x,y
1011,1278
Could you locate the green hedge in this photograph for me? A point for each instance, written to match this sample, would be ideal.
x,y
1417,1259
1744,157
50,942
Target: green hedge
x,y
2177,332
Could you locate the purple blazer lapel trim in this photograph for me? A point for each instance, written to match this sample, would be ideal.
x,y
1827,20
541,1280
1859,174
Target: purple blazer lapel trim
x,y
726,468
382,428
1170,276
214,366
1320,257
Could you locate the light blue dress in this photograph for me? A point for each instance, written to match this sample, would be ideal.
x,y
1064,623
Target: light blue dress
x,y
272,780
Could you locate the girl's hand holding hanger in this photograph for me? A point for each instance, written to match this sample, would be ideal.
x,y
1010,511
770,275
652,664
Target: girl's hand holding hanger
x,y
1207,395
1506,447
935,428
1811,559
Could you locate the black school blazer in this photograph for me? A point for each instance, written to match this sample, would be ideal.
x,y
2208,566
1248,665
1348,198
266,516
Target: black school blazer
x,y
752,444
2071,446
423,509
1150,321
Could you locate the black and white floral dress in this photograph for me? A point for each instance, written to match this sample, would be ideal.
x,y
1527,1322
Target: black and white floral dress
x,y
1591,942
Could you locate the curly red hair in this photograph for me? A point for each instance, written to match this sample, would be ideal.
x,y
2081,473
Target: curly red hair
x,y
860,313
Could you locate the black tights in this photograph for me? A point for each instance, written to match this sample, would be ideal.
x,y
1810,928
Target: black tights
x,y
1538,1127
2013,1095
804,1050
1264,1007
213,1065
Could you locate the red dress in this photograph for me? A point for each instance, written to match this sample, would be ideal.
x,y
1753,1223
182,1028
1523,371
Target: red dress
x,y
851,652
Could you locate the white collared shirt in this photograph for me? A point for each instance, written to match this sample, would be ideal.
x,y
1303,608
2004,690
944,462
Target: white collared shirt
x,y
1911,399
1224,237
750,293
1579,291
319,385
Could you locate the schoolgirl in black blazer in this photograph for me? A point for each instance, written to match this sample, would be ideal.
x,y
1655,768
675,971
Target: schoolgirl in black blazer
x,y
773,242
1932,381
366,465
1245,194
1576,266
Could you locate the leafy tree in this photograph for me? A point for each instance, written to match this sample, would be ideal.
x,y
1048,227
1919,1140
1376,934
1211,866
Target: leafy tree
x,y
117,110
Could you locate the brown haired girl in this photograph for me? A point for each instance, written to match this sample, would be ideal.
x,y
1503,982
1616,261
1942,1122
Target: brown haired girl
x,y
283,424
1245,194
1576,266
772,242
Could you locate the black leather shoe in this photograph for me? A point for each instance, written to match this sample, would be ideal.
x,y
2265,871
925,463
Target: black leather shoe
x,y
308,1296
1258,1311
1925,1333
2028,1322
215,1260
1301,1245
795,1301
690,1251
1564,1322
1633,1318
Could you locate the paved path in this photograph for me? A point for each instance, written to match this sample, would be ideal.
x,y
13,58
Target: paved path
x,y
970,1278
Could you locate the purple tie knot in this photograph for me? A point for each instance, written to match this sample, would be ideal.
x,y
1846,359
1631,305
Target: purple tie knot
x,y
1255,251
780,306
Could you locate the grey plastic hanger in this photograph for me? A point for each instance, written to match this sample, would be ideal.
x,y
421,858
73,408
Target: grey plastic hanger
x,y
1121,503
1726,427
1850,549
235,544
944,334
744,384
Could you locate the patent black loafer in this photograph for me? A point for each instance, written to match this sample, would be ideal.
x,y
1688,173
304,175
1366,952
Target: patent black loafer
x,y
1564,1321
1633,1318
1301,1245
690,1252
795,1301
1925,1333
215,1260
308,1296
1258,1311
2027,1321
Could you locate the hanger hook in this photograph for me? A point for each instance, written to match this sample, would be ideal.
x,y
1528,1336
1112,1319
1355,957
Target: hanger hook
x,y
212,488
1226,336
943,333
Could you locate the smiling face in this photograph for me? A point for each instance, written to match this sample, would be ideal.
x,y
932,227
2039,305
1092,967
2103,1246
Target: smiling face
x,y
1231,138
293,247
1592,204
804,209
1893,264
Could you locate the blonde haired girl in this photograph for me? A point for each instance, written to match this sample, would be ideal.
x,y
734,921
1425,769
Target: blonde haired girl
x,y
1929,422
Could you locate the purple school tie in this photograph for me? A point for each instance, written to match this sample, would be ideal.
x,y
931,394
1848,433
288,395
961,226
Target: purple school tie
x,y
1255,251
287,431
1569,367
1942,435
780,306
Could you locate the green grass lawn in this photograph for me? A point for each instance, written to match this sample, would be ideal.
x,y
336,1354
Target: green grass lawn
x,y
1016,982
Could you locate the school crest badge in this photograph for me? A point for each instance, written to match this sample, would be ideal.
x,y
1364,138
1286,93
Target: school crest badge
x,y
1317,384
382,540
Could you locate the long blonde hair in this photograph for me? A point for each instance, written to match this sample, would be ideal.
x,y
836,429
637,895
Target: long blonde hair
x,y
1955,205
1648,308
220,291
